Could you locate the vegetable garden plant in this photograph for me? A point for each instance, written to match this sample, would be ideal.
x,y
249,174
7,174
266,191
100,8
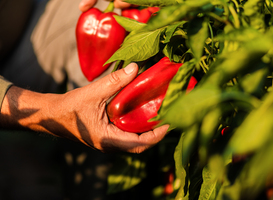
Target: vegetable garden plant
x,y
220,144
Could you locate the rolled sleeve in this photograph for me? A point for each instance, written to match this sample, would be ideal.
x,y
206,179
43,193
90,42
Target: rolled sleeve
x,y
4,86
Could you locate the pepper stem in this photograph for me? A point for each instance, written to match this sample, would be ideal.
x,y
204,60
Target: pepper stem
x,y
110,7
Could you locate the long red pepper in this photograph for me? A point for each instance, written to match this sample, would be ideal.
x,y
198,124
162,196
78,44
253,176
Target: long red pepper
x,y
140,100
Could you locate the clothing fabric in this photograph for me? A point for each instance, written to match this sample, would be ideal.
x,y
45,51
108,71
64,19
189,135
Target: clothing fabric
x,y
4,86
45,58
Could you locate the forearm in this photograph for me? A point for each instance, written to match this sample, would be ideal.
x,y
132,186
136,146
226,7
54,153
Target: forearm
x,y
47,113
24,109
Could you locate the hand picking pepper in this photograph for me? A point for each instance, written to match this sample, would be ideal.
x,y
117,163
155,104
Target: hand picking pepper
x,y
140,100
98,37
142,15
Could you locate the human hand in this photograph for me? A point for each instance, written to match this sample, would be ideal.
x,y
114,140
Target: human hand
x,y
87,4
87,107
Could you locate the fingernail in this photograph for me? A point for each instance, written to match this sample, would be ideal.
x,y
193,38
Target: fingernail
x,y
130,68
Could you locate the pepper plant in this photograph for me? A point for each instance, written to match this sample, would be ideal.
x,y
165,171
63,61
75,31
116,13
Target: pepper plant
x,y
220,143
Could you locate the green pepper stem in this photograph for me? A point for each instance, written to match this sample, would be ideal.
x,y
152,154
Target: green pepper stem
x,y
110,7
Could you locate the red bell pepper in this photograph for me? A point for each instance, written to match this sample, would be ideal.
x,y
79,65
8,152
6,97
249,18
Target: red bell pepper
x,y
142,16
98,37
140,100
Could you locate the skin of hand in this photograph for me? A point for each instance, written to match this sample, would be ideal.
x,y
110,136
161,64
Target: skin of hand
x,y
78,115
86,4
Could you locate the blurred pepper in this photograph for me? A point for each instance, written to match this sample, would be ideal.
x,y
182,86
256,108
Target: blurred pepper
x,y
142,15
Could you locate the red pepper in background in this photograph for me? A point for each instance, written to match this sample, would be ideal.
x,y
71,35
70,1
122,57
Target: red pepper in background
x,y
98,37
169,179
142,16
140,100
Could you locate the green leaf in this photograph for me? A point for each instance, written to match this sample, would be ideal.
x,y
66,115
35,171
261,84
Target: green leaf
x,y
171,29
255,131
208,189
243,34
190,109
254,83
175,48
253,10
128,171
208,129
171,14
180,170
250,180
177,87
197,34
257,172
242,61
138,47
151,3
189,143
129,24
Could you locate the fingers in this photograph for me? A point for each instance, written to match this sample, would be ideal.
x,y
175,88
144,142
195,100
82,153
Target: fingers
x,y
149,139
112,83
134,143
86,4
121,4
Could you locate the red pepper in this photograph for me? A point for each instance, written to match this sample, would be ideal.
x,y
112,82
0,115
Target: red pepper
x,y
98,37
142,16
140,100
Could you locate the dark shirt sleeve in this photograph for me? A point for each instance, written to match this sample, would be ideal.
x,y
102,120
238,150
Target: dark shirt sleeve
x,y
4,86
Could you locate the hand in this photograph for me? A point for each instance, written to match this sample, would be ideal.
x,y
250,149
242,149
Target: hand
x,y
93,127
87,4
79,114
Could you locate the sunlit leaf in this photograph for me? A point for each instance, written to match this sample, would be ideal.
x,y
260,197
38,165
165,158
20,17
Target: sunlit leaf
x,y
128,171
129,24
256,129
138,47
177,87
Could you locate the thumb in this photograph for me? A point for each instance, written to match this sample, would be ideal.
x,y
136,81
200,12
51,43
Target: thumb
x,y
112,83
86,4
121,4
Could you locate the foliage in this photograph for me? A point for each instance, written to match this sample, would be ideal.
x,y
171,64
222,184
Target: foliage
x,y
228,46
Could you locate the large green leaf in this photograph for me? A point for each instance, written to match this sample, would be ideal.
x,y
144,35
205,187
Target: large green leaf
x,y
255,131
138,47
257,172
177,87
250,180
190,109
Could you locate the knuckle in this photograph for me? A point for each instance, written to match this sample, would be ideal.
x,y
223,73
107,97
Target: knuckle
x,y
114,78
